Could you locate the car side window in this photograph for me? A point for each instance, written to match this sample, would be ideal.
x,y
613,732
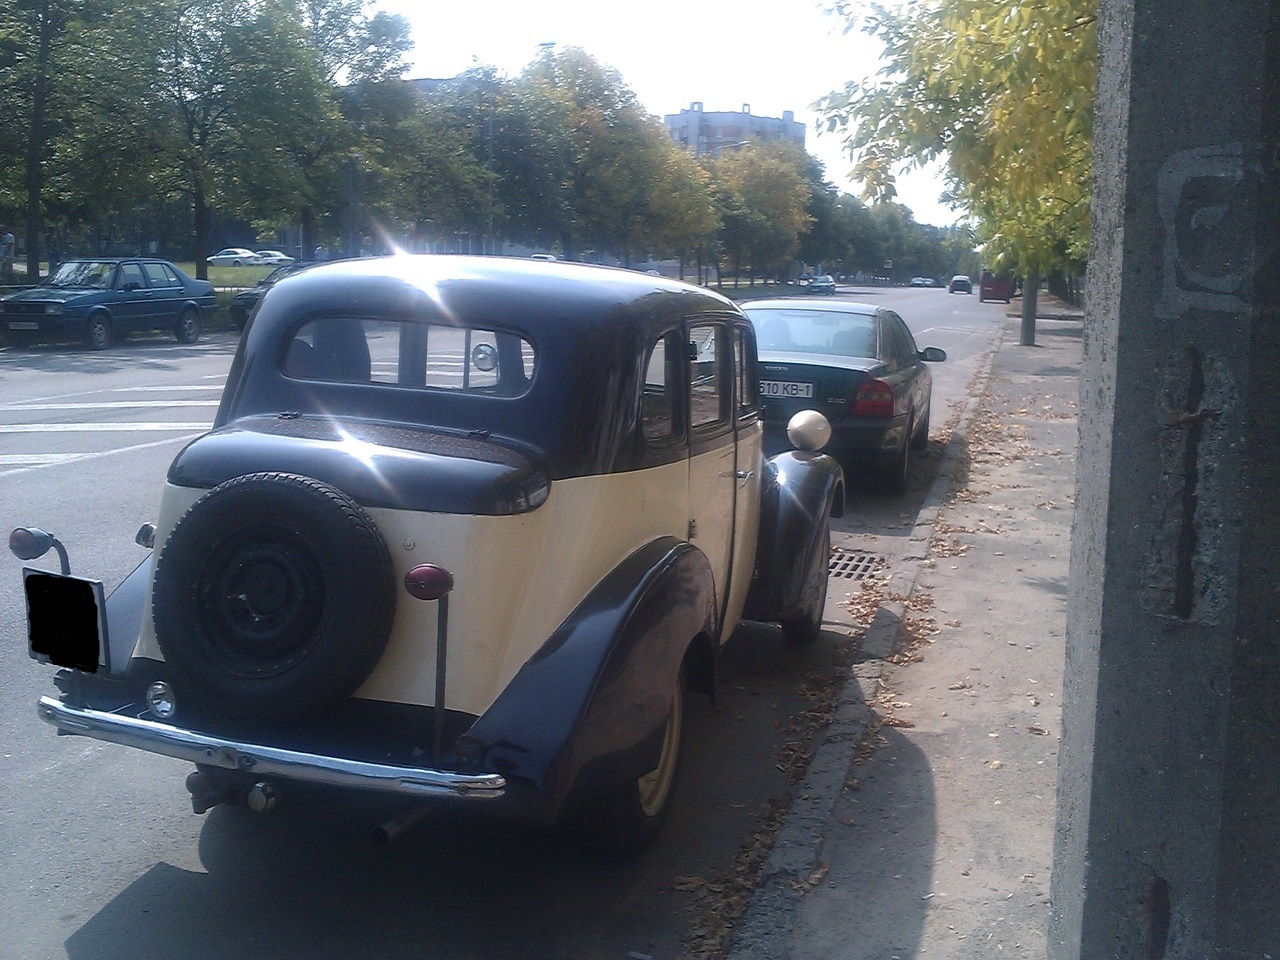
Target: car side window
x,y
744,356
709,389
158,276
659,401
904,343
130,277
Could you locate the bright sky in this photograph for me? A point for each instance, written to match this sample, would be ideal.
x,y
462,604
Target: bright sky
x,y
775,55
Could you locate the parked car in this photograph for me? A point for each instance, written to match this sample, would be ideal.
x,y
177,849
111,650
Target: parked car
x,y
465,529
960,284
859,366
992,287
100,300
271,258
822,284
232,257
242,303
920,282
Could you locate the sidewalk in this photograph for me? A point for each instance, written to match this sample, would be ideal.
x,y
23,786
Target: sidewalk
x,y
924,827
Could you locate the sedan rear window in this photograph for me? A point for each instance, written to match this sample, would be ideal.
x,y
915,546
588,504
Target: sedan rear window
x,y
411,354
816,331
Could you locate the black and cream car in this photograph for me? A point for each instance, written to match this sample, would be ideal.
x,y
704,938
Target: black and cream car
x,y
464,530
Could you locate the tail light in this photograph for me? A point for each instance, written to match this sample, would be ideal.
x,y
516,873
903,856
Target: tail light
x,y
872,398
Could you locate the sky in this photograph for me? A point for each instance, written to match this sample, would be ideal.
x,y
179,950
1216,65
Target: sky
x,y
774,55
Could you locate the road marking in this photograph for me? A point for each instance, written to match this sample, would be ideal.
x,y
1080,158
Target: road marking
x,y
106,405
123,427
95,455
38,459
156,389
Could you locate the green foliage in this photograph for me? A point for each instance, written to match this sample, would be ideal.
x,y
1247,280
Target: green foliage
x,y
1003,92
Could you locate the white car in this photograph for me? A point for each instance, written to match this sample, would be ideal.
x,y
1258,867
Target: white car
x,y
232,257
272,258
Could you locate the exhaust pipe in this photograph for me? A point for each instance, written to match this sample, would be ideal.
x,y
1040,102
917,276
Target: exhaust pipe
x,y
384,833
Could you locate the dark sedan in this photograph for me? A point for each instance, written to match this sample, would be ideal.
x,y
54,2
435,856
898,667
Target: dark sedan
x,y
859,366
99,300
243,303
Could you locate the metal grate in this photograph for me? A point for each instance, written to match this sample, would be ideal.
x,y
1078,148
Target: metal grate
x,y
853,564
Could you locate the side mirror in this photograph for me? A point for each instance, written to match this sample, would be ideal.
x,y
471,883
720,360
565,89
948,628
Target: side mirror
x,y
933,354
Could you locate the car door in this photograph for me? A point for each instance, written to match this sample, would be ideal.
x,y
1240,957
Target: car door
x,y
167,293
132,304
712,449
748,427
914,376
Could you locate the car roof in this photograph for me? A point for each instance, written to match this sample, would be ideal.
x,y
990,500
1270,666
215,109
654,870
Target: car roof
x,y
802,303
531,296
114,260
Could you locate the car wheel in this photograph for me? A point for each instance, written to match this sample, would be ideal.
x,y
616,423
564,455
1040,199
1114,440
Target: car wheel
x,y
97,332
273,597
921,439
892,478
628,821
807,627
235,263
188,328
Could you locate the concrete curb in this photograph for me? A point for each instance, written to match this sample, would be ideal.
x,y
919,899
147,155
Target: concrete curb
x,y
765,930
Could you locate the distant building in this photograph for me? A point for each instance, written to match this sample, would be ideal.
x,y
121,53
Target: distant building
x,y
706,132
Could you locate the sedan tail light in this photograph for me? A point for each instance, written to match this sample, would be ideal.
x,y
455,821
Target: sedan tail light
x,y
872,398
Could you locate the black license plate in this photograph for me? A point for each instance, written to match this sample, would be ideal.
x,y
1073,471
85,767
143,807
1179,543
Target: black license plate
x,y
66,622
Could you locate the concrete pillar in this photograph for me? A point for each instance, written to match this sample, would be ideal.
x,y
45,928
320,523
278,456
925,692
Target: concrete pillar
x,y
1168,831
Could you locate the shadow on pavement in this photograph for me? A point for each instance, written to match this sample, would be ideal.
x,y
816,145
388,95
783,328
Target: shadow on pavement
x,y
308,882
873,902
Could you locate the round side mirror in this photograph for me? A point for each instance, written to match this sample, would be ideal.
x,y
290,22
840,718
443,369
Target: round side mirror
x,y
808,430
484,357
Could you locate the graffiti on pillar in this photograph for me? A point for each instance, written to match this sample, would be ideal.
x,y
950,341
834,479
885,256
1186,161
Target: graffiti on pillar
x,y
1208,200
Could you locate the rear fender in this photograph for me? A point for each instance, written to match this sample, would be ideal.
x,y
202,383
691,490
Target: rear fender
x,y
587,711
801,490
125,609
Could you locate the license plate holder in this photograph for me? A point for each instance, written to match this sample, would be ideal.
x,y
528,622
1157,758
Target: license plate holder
x,y
786,389
24,325
66,620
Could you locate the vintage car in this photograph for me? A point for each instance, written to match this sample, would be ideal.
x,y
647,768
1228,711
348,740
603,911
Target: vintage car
x,y
464,530
101,300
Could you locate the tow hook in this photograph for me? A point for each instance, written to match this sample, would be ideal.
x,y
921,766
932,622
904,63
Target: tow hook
x,y
263,797
208,791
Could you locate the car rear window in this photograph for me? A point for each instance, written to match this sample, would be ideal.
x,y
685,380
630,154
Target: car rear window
x,y
416,355
816,331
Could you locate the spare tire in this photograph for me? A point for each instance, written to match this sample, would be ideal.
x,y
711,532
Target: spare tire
x,y
273,597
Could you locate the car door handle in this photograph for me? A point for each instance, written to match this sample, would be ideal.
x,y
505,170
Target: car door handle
x,y
745,476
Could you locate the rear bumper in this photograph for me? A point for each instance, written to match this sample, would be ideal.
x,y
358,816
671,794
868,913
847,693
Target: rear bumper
x,y
267,761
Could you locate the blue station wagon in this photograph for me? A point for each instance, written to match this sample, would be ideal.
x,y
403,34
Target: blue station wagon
x,y
98,301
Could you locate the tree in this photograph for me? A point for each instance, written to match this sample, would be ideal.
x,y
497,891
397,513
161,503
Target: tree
x,y
1002,91
763,200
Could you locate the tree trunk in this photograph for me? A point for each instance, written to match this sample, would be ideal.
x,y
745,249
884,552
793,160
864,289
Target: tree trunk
x,y
35,143
1030,294
203,217
306,234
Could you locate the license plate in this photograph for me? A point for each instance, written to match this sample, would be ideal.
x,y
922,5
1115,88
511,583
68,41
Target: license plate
x,y
66,621
784,388
23,325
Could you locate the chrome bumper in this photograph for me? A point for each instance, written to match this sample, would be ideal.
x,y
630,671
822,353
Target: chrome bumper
x,y
263,761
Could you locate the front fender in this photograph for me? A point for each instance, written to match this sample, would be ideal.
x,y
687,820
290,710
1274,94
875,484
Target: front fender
x,y
801,491
587,711
125,610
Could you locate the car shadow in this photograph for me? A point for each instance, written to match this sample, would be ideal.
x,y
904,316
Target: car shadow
x,y
871,511
877,892
308,881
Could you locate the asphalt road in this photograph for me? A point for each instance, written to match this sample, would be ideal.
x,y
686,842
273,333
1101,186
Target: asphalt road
x,y
103,858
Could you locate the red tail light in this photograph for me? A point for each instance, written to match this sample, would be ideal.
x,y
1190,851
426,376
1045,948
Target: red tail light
x,y
872,398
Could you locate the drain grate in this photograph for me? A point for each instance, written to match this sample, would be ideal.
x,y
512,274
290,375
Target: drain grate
x,y
853,564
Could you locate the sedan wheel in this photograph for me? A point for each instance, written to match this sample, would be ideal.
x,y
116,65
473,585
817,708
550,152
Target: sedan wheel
x,y
892,478
97,333
628,821
188,328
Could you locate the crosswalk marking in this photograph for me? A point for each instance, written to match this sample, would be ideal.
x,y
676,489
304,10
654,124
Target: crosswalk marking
x,y
122,427
33,461
107,405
